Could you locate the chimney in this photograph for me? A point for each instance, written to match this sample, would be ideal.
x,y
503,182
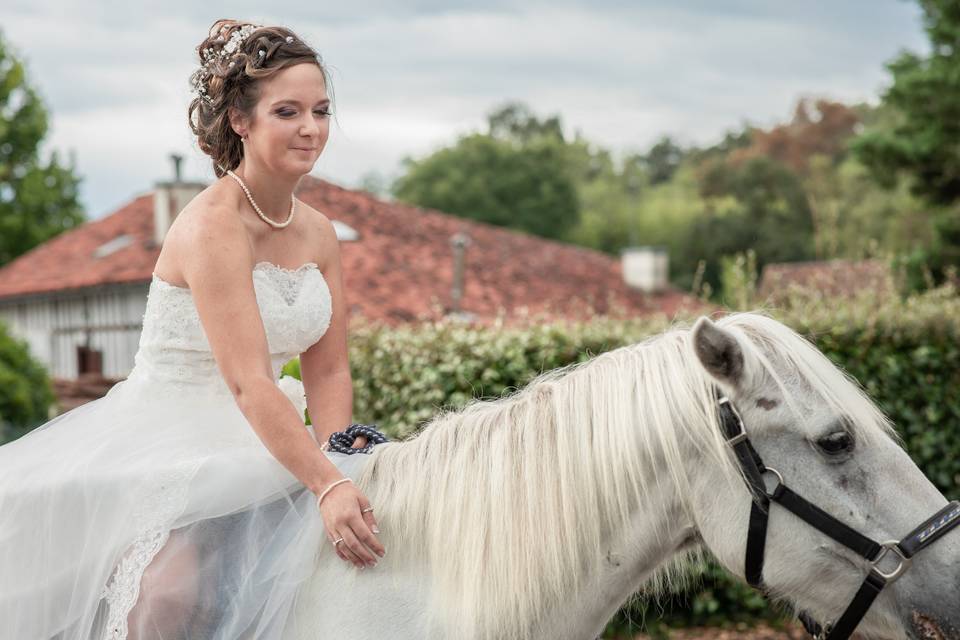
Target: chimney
x,y
645,268
169,199
459,241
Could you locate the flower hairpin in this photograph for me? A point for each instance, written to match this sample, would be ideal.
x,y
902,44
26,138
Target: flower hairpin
x,y
211,57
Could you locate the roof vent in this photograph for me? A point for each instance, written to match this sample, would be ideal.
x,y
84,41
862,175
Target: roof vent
x,y
345,233
113,245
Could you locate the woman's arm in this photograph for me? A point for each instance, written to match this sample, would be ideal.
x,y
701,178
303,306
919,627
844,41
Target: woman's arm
x,y
216,257
217,266
324,367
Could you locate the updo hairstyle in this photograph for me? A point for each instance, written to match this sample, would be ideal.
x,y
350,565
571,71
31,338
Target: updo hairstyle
x,y
232,81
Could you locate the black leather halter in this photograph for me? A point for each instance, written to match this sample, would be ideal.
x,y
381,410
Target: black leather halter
x,y
902,552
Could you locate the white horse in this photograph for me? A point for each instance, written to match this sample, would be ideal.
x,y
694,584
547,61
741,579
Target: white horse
x,y
537,515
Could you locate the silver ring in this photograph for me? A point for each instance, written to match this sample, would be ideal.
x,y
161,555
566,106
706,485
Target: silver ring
x,y
366,510
337,541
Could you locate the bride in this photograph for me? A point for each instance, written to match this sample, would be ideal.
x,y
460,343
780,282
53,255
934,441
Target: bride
x,y
191,500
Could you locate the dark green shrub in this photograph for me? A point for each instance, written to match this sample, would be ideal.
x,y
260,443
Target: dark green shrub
x,y
25,391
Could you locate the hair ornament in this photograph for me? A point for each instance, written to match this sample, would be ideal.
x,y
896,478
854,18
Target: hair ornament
x,y
212,57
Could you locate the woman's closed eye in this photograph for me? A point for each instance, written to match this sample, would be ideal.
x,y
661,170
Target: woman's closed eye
x,y
287,113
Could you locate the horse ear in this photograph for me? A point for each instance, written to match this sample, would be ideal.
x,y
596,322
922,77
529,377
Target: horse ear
x,y
718,352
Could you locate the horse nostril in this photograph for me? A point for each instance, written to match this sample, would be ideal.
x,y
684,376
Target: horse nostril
x,y
928,629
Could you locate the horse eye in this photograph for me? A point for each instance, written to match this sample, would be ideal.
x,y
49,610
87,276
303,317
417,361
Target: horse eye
x,y
839,442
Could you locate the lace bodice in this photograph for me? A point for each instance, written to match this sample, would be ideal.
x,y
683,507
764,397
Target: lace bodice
x,y
295,306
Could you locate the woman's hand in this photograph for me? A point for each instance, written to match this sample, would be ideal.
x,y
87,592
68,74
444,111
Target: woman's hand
x,y
359,442
342,517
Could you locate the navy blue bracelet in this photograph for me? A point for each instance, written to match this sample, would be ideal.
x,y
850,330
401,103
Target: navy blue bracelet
x,y
342,441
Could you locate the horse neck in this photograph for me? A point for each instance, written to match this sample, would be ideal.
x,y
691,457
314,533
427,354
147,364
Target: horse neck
x,y
633,557
641,552
578,483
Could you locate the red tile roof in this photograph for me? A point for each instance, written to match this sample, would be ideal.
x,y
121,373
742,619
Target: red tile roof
x,y
67,261
400,269
830,278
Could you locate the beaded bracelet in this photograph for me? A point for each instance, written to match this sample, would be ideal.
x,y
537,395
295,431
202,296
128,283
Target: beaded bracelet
x,y
327,490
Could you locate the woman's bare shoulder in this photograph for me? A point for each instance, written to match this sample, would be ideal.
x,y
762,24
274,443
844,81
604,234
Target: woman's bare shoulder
x,y
315,218
208,217
213,205
323,233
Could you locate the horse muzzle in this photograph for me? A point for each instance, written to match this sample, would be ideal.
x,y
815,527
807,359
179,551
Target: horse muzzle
x,y
931,627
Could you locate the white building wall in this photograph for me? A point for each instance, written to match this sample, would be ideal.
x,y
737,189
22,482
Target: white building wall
x,y
108,319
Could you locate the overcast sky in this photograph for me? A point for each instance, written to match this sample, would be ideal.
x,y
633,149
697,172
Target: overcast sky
x,y
409,77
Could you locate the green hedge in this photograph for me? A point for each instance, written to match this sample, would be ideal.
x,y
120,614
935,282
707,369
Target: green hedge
x,y
905,353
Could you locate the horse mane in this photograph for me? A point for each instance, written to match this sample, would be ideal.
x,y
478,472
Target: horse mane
x,y
508,501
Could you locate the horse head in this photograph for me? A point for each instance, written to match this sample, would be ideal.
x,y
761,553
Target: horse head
x,y
818,435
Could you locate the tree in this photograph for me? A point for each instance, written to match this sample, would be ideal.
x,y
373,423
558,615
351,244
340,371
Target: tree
x,y
374,183
922,139
759,205
662,160
515,122
925,141
856,218
37,200
818,128
518,175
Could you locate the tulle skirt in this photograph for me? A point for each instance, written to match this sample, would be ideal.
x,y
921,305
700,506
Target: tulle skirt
x,y
152,515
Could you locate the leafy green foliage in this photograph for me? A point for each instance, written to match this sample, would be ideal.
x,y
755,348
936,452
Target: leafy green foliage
x,y
921,139
25,391
764,205
926,94
38,200
792,192
516,176
662,160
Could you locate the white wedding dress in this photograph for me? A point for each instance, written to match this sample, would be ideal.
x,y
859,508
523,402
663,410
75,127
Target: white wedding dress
x,y
165,461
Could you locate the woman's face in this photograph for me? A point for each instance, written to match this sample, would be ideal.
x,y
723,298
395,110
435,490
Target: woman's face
x,y
291,121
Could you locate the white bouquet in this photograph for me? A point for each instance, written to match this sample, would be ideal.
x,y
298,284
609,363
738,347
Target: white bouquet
x,y
293,389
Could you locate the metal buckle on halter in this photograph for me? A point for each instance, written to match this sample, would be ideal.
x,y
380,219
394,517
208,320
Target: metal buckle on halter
x,y
739,437
772,493
902,565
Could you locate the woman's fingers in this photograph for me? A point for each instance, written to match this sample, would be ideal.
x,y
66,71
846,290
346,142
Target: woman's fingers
x,y
357,528
366,512
371,522
353,544
367,529
344,551
341,548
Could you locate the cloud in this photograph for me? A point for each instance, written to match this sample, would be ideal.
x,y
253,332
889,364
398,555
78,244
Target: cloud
x,y
410,77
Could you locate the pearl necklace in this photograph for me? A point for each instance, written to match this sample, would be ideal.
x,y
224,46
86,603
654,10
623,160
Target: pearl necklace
x,y
275,225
